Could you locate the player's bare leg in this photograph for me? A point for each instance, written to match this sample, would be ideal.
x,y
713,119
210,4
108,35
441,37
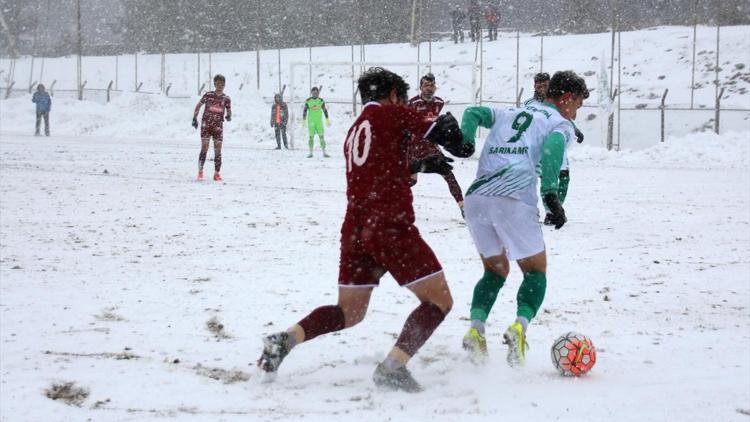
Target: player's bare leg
x,y
202,156
217,159
348,312
436,302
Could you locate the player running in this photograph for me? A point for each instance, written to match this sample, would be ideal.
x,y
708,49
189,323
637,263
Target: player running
x,y
501,204
378,234
212,124
312,114
430,105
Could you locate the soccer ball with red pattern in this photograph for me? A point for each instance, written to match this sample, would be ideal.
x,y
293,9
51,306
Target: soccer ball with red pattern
x,y
573,354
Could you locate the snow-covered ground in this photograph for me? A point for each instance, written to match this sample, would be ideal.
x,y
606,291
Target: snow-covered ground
x,y
150,291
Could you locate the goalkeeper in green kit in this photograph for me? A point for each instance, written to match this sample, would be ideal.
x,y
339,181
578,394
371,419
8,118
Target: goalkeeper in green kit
x,y
312,117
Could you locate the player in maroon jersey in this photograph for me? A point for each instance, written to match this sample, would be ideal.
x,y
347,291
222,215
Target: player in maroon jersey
x,y
429,105
378,234
212,124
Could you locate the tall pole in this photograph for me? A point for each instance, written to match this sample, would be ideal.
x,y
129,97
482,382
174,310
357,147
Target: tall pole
x,y
716,80
695,30
611,117
80,48
518,60
541,55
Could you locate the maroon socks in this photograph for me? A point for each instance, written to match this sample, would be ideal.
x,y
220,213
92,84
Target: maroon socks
x,y
325,319
419,327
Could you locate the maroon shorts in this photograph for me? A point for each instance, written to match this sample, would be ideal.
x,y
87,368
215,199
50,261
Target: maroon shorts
x,y
367,252
212,130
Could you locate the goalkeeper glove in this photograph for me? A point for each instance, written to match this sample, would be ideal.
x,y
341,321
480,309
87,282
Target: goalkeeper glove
x,y
439,164
556,210
229,117
579,136
447,133
195,122
328,123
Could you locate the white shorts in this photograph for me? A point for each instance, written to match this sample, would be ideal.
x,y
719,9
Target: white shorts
x,y
498,223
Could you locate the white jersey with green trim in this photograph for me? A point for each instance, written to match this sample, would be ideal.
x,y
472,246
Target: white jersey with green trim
x,y
513,148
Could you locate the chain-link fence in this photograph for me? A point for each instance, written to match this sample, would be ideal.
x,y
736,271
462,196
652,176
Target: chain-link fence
x,y
613,65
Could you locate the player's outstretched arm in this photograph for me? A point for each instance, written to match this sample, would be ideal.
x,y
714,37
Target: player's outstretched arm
x,y
447,133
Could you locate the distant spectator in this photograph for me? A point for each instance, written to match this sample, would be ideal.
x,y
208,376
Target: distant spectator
x,y
43,107
457,19
279,118
475,15
491,16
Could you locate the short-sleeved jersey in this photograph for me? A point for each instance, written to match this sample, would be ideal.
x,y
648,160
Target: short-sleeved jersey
x,y
513,148
216,106
420,148
377,167
314,109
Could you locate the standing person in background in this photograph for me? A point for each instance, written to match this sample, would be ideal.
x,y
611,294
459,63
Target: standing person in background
x,y
491,16
279,119
457,20
429,105
212,124
43,106
475,14
312,117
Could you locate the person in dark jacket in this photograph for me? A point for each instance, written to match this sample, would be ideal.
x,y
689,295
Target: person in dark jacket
x,y
279,118
457,19
43,107
475,14
491,16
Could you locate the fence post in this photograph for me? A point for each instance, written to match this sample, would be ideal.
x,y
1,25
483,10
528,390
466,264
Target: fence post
x,y
518,57
52,88
31,86
138,88
136,71
695,30
80,91
257,66
9,89
663,107
109,89
611,123
718,109
201,88
167,90
241,85
541,55
518,98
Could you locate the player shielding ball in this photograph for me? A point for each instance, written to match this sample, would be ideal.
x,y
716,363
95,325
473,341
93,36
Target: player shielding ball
x,y
378,234
501,203
212,124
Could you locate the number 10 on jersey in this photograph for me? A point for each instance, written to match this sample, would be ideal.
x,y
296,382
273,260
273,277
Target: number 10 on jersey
x,y
356,154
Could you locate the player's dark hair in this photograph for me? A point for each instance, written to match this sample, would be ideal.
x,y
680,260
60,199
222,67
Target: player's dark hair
x,y
541,77
315,88
567,81
219,77
376,83
428,77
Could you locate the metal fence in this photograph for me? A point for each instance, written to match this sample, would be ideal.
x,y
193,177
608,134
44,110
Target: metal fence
x,y
266,71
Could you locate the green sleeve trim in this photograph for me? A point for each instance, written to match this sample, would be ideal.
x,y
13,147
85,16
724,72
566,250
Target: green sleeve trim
x,y
473,118
552,157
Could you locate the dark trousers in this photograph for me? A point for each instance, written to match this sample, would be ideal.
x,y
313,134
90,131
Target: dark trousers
x,y
280,132
39,116
458,34
492,31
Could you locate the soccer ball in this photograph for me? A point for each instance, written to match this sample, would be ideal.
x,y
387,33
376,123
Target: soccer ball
x,y
573,354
